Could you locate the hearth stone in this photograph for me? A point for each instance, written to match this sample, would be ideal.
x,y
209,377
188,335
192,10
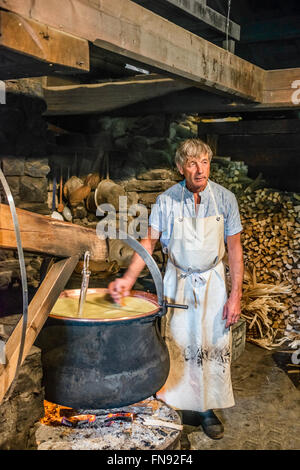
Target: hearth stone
x,y
133,435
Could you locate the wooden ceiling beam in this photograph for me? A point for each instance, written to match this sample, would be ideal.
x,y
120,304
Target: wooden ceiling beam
x,y
205,15
107,96
29,48
116,94
129,30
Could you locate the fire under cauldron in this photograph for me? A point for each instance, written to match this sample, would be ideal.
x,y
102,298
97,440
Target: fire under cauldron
x,y
103,363
106,363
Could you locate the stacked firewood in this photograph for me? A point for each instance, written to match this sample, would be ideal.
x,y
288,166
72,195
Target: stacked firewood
x,y
270,238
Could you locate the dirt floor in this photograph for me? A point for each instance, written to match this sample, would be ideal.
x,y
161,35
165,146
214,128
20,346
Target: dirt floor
x,y
266,415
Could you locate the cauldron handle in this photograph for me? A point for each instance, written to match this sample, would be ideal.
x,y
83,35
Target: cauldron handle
x,y
153,268
151,264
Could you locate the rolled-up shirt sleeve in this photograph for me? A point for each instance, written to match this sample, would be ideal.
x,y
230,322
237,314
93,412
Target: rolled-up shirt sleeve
x,y
156,216
233,223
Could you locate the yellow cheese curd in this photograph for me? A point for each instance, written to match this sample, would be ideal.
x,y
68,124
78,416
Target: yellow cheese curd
x,y
102,306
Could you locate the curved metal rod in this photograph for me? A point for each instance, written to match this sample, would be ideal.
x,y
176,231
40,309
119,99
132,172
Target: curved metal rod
x,y
22,267
151,264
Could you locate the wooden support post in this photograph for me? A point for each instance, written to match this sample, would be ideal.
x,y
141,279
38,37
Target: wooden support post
x,y
38,311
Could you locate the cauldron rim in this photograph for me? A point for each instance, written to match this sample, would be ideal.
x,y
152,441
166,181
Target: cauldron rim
x,y
134,293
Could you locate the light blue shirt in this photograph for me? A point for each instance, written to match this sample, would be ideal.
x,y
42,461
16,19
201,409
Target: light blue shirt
x,y
167,208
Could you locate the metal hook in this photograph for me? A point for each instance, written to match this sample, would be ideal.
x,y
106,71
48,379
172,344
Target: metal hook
x,y
84,283
86,261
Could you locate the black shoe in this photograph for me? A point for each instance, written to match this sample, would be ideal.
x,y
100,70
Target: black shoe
x,y
211,424
189,417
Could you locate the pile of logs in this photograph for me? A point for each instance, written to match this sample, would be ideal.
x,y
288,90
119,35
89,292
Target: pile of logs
x,y
270,238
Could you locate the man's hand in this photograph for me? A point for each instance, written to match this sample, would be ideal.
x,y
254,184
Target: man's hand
x,y
232,310
120,288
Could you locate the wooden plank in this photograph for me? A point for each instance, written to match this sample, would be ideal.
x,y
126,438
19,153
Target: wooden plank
x,y
268,158
263,126
130,30
61,80
194,100
42,42
41,234
263,142
38,311
101,97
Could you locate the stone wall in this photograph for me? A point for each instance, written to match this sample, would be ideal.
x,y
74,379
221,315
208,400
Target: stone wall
x,y
24,147
135,153
23,405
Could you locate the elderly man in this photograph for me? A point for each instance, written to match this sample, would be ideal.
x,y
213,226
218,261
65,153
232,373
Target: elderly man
x,y
194,219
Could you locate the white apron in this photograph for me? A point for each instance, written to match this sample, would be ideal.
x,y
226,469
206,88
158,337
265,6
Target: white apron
x,y
198,342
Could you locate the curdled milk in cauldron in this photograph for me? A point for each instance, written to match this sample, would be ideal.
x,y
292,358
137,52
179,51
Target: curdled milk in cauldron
x,y
101,305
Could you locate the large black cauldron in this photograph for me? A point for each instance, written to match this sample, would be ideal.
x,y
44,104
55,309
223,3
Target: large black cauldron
x,y
98,364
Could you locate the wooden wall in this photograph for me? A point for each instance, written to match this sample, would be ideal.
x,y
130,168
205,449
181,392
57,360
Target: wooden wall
x,y
271,147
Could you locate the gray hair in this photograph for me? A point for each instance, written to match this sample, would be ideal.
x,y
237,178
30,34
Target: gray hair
x,y
191,148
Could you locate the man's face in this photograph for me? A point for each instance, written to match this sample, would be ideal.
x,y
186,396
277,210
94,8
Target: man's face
x,y
196,172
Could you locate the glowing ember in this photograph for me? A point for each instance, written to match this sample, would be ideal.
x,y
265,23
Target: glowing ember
x,y
89,418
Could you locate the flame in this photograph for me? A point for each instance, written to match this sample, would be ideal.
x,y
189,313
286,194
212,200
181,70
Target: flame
x,y
54,414
89,418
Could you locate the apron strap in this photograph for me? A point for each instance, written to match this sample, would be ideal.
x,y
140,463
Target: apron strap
x,y
181,203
